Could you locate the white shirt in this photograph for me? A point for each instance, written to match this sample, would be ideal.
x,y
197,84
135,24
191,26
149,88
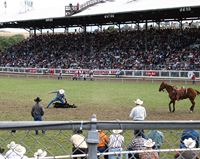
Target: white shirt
x,y
116,141
138,113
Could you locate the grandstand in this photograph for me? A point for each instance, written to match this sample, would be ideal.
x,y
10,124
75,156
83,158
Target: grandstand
x,y
164,42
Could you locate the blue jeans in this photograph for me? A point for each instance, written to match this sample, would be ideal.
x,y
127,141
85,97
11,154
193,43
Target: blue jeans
x,y
115,156
101,150
56,99
38,118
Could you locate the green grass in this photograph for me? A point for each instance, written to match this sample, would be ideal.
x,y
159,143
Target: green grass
x,y
109,100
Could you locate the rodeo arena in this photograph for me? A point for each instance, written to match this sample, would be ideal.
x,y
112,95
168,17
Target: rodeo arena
x,y
88,41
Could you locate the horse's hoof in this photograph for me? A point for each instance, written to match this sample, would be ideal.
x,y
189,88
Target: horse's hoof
x,y
191,111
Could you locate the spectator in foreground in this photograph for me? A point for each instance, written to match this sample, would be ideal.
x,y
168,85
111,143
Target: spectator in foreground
x,y
37,112
16,151
157,137
189,133
1,153
79,144
103,143
40,154
115,144
137,143
149,155
188,154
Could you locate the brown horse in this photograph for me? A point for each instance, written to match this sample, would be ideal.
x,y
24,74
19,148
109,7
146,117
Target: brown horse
x,y
179,94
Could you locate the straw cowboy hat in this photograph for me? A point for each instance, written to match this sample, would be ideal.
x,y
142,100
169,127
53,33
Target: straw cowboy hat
x,y
189,143
139,102
61,91
12,145
20,150
37,99
40,153
117,131
149,143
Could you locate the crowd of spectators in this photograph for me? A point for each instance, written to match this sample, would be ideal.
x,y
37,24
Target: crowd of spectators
x,y
153,49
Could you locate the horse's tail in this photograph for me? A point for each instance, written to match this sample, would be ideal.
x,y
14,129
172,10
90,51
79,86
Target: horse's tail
x,y
197,92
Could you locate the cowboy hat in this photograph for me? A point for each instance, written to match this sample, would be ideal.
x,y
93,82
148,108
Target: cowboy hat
x,y
117,131
61,91
37,99
139,102
12,145
189,143
20,150
149,143
40,153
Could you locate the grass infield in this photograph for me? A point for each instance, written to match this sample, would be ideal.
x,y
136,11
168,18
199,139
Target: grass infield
x,y
109,100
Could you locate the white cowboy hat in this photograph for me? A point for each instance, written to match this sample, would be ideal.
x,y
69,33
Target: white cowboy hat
x,y
12,145
40,153
139,102
61,91
189,143
149,143
117,131
20,150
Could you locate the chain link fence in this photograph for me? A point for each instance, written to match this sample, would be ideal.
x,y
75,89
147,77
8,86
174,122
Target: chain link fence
x,y
56,138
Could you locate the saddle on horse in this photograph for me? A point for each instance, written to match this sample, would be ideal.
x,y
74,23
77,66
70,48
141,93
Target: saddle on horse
x,y
180,93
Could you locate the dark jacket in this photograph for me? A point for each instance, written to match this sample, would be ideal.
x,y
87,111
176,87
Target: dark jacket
x,y
37,110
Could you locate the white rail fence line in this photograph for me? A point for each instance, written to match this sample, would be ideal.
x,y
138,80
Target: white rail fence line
x,y
156,74
93,125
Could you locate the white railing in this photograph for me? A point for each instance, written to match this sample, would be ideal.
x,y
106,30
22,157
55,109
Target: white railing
x,y
173,74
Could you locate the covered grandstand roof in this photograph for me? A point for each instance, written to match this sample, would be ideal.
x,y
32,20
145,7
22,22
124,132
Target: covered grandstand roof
x,y
109,12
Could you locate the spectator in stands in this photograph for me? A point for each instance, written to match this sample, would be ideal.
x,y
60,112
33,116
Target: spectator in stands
x,y
166,50
91,74
79,144
60,75
118,73
40,154
149,155
137,143
193,78
16,151
157,136
188,154
37,112
115,144
60,96
103,143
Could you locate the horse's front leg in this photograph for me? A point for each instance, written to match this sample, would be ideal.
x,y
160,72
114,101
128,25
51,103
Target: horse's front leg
x,y
170,110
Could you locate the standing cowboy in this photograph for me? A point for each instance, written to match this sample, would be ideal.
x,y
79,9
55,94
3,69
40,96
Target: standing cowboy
x,y
37,112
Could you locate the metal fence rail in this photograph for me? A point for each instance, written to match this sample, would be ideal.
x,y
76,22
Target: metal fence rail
x,y
56,140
